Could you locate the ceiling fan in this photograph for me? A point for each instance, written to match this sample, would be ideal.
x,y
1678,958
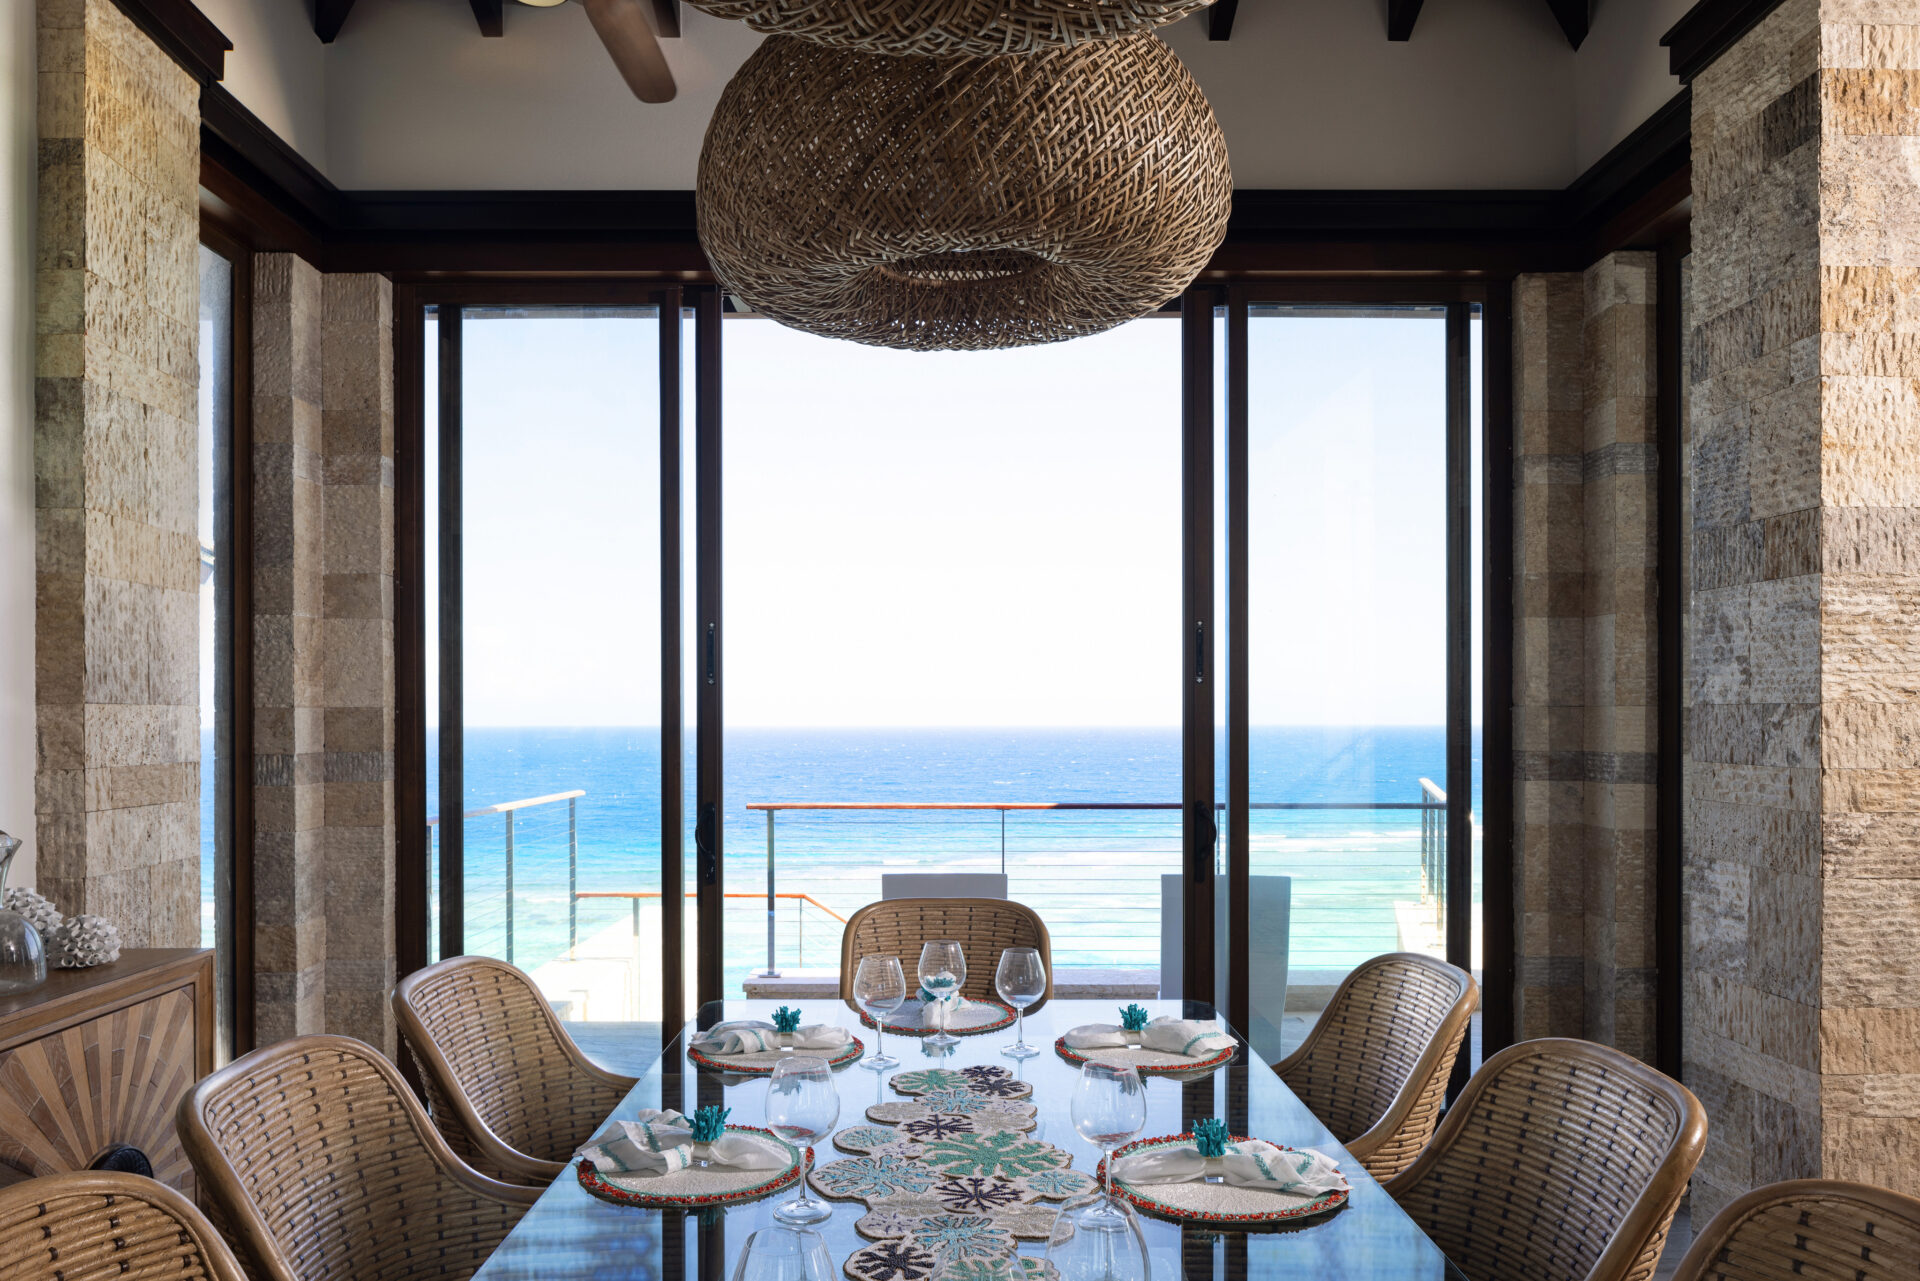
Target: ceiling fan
x,y
629,37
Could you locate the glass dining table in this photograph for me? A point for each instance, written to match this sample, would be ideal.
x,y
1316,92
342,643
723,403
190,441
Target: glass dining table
x,y
569,1233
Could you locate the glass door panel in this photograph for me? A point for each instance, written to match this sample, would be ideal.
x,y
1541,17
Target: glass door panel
x,y
559,652
1347,663
951,599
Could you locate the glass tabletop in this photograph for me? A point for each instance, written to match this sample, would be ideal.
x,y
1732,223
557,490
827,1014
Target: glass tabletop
x,y
568,1233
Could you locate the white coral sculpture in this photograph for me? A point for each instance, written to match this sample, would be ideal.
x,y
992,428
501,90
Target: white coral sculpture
x,y
39,911
85,940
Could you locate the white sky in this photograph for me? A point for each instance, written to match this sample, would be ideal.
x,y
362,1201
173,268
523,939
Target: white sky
x,y
954,538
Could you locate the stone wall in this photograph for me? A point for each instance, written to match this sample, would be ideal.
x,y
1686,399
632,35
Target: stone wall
x,y
323,652
1584,652
116,495
1802,998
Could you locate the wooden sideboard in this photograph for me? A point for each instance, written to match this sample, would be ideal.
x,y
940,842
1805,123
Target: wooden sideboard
x,y
98,1058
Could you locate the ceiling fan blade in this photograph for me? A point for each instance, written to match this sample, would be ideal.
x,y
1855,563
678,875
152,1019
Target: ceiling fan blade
x,y
623,28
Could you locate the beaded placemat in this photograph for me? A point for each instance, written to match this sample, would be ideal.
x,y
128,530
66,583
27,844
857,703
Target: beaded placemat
x,y
1150,1062
982,1014
694,1188
762,1062
1220,1203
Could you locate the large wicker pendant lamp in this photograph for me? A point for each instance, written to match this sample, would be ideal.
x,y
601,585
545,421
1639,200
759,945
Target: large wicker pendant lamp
x,y
949,28
961,203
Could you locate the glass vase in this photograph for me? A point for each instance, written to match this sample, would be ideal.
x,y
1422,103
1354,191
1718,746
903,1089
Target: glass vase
x,y
23,955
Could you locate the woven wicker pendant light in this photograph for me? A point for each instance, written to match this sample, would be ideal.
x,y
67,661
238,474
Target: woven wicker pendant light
x,y
962,203
951,28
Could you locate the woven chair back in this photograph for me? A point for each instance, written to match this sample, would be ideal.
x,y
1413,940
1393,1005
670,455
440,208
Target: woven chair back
x,y
1389,1036
479,1029
985,927
1561,1161
1809,1230
319,1165
96,1226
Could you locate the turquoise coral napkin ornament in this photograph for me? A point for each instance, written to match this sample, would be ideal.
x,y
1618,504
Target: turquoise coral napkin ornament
x,y
1210,1137
786,1020
1133,1019
709,1123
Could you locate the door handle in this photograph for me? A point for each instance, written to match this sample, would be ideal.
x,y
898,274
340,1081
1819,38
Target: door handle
x,y
706,864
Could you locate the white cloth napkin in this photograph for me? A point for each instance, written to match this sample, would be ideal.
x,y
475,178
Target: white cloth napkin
x,y
752,1036
1253,1164
662,1143
1194,1038
940,1000
1190,1038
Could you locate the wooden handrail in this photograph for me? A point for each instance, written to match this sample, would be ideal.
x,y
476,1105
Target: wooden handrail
x,y
758,898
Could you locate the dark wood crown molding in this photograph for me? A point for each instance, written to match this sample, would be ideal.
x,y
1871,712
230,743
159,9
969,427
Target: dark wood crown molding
x,y
185,33
267,193
1708,30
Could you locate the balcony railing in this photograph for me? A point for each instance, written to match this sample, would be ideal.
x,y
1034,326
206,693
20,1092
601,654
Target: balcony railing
x,y
1093,868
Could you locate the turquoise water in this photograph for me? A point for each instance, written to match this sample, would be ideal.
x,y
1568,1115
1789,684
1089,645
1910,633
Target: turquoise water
x,y
1094,876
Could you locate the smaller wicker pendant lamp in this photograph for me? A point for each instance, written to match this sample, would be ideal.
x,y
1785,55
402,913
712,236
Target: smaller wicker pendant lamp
x,y
952,28
961,203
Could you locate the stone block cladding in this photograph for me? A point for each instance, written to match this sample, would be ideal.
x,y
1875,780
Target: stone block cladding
x,y
323,652
1802,859
1584,652
116,636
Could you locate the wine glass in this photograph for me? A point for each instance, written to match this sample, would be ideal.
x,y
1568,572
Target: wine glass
x,y
1109,1107
1021,980
781,1253
802,1106
1098,1239
942,958
880,988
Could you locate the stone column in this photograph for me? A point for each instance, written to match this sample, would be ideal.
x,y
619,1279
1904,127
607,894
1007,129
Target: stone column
x,y
116,496
1584,652
356,628
1549,655
1803,850
289,909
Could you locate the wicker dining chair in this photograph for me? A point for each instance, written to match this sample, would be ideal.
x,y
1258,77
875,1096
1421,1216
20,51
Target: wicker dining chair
x,y
1820,1229
99,1226
318,1164
1561,1161
510,1091
984,927
1375,1067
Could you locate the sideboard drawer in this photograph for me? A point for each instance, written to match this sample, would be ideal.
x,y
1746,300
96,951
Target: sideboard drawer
x,y
94,1067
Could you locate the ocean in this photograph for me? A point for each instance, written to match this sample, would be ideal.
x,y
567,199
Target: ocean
x,y
1093,875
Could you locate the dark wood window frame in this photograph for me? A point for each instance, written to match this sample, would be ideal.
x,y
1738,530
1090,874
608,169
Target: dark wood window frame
x,y
234,985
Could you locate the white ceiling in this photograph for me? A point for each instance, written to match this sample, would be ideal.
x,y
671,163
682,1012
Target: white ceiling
x,y
1310,93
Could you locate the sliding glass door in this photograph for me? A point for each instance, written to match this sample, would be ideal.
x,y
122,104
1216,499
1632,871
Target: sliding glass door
x,y
1352,506
1168,633
553,744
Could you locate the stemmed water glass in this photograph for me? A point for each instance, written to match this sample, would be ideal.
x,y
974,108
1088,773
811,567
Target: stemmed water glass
x,y
1021,980
942,958
880,988
802,1106
1095,1239
1109,1107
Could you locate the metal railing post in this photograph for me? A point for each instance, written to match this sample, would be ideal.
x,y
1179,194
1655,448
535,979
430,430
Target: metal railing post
x,y
1003,842
773,970
573,874
509,887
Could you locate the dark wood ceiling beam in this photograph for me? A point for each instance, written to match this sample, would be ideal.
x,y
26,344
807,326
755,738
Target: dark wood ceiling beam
x,y
1220,19
328,17
666,19
1575,18
491,16
1708,30
1401,15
